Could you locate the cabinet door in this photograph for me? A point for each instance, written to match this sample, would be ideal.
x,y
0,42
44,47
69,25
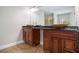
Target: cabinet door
x,y
36,36
55,45
30,36
26,35
69,46
46,44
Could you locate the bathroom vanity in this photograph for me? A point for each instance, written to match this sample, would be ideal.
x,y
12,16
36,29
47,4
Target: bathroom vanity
x,y
55,40
60,40
31,35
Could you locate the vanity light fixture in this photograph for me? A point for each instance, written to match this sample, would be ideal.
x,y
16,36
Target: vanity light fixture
x,y
32,10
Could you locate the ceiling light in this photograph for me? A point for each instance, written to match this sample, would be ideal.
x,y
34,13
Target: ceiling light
x,y
34,9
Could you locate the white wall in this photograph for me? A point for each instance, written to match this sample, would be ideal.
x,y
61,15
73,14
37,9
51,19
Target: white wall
x,y
11,21
77,15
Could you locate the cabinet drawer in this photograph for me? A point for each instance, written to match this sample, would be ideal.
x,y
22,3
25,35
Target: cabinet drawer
x,y
53,31
64,36
65,33
73,37
25,30
60,34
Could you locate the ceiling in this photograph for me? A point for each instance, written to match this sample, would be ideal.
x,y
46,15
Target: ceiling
x,y
52,9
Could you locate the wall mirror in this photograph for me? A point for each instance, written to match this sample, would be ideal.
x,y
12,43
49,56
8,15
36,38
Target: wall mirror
x,y
60,15
49,15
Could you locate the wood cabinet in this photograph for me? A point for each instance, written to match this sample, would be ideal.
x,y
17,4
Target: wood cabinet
x,y
57,41
31,36
69,46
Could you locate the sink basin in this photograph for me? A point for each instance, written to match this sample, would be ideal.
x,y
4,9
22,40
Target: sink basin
x,y
59,25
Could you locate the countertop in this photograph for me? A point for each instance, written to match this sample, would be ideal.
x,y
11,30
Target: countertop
x,y
68,28
52,28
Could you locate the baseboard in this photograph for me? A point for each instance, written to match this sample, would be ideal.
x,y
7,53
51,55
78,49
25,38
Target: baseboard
x,y
9,45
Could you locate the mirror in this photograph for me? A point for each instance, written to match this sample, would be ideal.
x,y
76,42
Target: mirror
x,y
64,18
60,15
49,19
